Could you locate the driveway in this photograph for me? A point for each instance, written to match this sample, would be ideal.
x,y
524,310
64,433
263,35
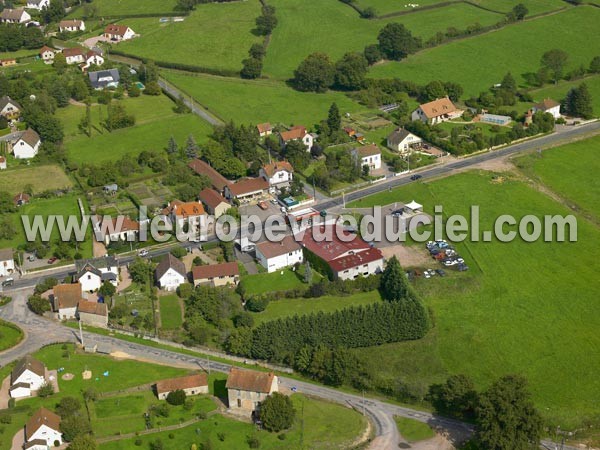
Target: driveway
x,y
247,260
4,393
93,41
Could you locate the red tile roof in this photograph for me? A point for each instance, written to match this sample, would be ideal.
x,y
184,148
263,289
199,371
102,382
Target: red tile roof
x,y
270,169
229,269
217,180
264,127
96,308
67,295
248,186
250,380
330,249
211,198
115,29
357,259
75,51
186,382
546,104
438,107
41,417
297,132
368,150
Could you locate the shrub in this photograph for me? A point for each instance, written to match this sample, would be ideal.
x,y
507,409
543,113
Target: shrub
x,y
5,418
179,252
253,442
138,442
171,436
46,390
257,304
184,290
277,412
176,397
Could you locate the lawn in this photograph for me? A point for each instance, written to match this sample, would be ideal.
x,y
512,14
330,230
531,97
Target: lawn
x,y
413,430
392,6
215,35
318,425
484,128
282,280
64,206
455,61
566,170
155,123
114,8
40,178
511,314
9,336
559,92
260,101
291,306
334,28
170,312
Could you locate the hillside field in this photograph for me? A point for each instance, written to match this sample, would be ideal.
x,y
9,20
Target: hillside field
x,y
127,7
40,178
155,123
334,28
505,316
259,101
478,62
215,35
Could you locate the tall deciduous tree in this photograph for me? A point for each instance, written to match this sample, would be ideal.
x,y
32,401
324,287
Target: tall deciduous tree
x,y
397,42
350,71
277,412
507,419
316,73
578,102
555,61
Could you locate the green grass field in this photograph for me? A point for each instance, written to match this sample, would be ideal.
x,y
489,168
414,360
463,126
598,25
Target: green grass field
x,y
9,336
63,206
127,7
505,316
274,281
170,312
456,61
215,35
326,426
155,123
559,91
334,28
392,6
484,128
413,430
260,101
40,178
567,170
328,303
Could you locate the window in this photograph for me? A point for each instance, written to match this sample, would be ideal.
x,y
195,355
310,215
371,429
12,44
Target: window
x,y
89,277
239,402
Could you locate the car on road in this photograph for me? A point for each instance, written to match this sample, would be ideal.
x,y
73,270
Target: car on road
x,y
398,212
52,260
416,177
8,282
143,253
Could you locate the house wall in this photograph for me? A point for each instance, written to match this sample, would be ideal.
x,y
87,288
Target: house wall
x,y
67,313
171,280
247,401
281,261
190,391
7,267
374,162
93,319
218,281
48,434
33,379
220,209
90,282
21,392
362,270
10,111
22,150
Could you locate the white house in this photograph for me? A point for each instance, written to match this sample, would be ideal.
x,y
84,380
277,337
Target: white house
x,y
65,299
28,376
71,25
274,256
264,129
7,262
37,4
2,163
170,273
18,15
190,384
91,273
118,33
47,54
369,155
27,145
74,55
185,214
297,133
548,106
437,111
278,174
9,109
93,58
43,426
120,228
401,140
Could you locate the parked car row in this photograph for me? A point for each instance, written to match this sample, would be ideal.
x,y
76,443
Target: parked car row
x,y
445,253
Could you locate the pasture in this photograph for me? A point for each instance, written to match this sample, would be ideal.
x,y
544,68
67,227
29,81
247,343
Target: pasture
x,y
503,6
215,35
170,312
117,8
260,101
479,62
38,178
318,425
155,123
506,317
281,280
567,170
335,29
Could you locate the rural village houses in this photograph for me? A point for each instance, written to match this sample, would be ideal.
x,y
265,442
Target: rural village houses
x,y
118,33
264,129
102,79
117,229
217,181
274,256
190,384
18,15
437,111
93,313
170,273
91,273
71,25
214,202
279,174
247,388
548,106
38,4
65,299
27,377
247,189
297,133
42,430
27,145
7,262
9,109
47,54
368,155
215,275
402,141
